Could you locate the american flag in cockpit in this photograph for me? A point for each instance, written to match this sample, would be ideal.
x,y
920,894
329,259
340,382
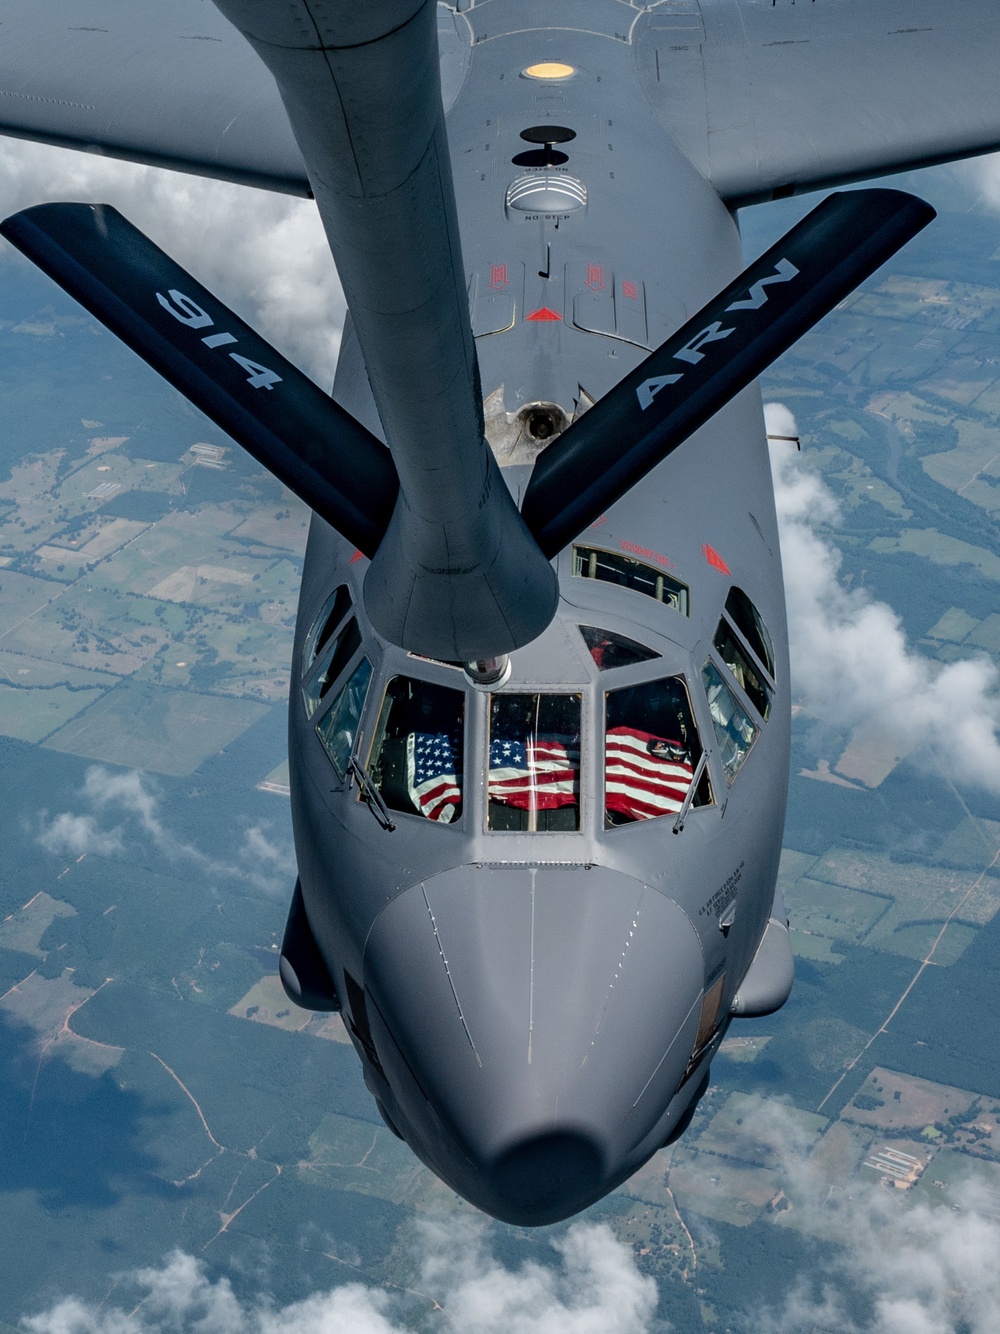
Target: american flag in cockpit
x,y
433,785
542,772
645,775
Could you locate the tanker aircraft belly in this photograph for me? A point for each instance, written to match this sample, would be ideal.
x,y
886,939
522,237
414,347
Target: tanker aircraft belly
x,y
540,707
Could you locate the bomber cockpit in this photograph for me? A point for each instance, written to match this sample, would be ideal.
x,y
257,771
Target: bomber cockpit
x,y
628,735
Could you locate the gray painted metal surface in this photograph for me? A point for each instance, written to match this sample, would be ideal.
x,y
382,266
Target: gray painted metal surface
x,y
170,84
535,1009
457,575
765,99
770,99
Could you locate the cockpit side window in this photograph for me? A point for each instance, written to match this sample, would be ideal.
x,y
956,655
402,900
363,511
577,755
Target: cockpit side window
x,y
612,568
534,762
652,750
734,729
332,662
747,619
417,755
610,650
338,727
333,611
748,677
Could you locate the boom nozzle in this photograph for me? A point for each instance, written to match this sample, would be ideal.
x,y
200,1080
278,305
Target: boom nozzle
x,y
488,673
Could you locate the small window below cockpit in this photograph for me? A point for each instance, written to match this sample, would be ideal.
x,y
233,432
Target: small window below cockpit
x,y
612,568
416,757
610,650
338,727
735,730
534,764
652,750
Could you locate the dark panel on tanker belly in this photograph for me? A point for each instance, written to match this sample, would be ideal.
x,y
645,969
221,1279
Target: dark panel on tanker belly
x,y
548,1015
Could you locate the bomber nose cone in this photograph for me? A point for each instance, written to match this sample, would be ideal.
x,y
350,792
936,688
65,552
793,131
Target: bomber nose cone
x,y
547,1016
547,1177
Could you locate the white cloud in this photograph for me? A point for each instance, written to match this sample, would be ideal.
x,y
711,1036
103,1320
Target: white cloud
x,y
71,835
851,662
102,789
923,1269
264,254
983,173
129,800
594,1289
266,863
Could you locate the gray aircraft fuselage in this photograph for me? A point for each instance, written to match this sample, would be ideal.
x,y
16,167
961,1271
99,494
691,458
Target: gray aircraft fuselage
x,y
536,1008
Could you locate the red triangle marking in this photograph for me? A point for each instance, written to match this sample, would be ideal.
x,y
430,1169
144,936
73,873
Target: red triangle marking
x,y
358,555
714,559
543,313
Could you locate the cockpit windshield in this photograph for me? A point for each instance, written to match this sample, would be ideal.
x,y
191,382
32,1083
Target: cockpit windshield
x,y
534,764
338,727
416,760
652,751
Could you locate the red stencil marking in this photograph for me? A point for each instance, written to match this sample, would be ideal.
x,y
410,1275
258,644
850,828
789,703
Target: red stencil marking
x,y
543,313
646,553
714,559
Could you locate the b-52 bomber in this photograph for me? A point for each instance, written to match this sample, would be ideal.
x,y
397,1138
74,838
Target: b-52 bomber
x,y
540,708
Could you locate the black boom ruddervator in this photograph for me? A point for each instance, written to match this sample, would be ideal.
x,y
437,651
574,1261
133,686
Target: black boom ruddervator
x,y
347,476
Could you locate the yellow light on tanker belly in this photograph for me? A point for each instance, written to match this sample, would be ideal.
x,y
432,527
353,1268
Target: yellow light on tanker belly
x,y
549,69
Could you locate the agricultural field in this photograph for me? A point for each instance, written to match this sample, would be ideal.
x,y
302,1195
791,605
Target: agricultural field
x,y
34,714
890,1101
953,626
940,548
727,1192
169,732
970,844
871,755
742,1049
952,1177
266,1003
346,1154
833,911
909,909
23,930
